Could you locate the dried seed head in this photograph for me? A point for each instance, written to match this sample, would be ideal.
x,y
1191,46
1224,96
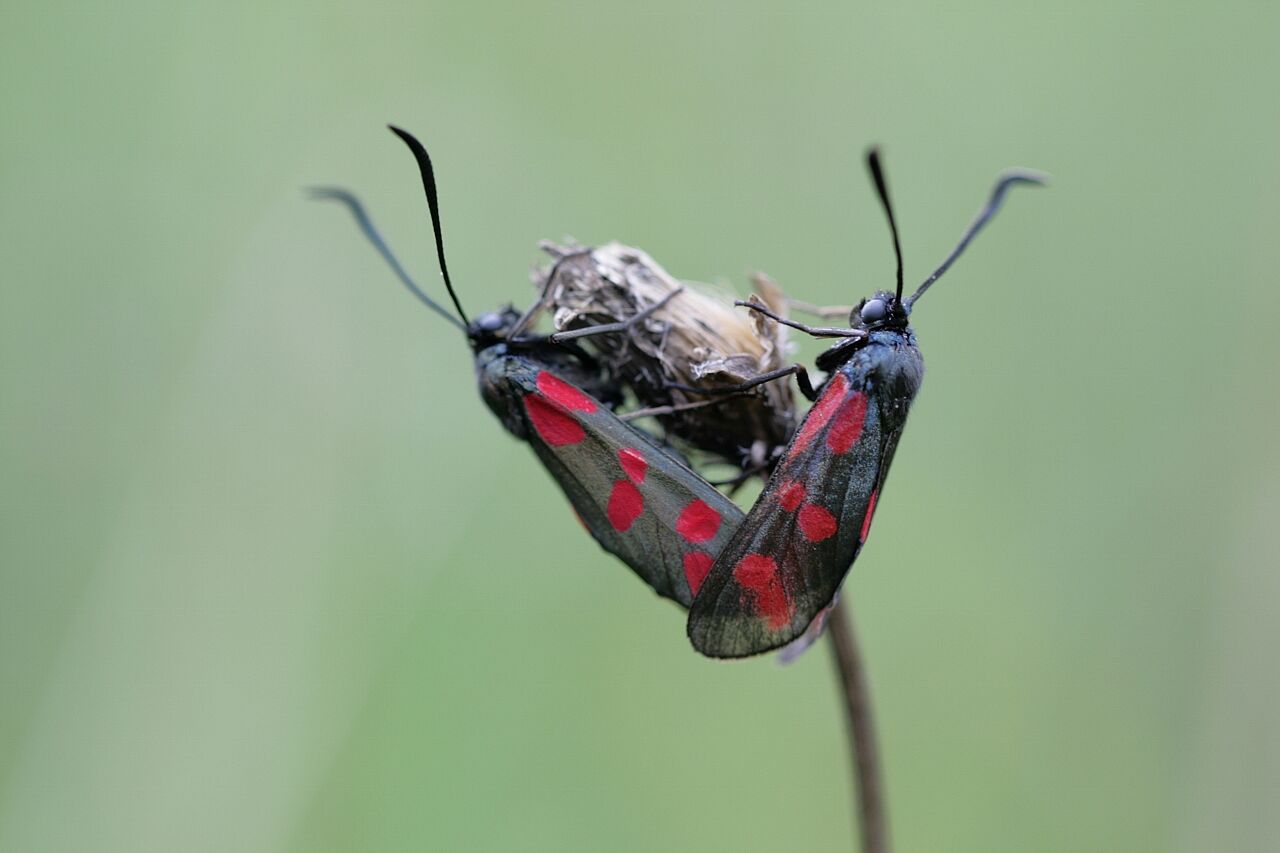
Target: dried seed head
x,y
698,339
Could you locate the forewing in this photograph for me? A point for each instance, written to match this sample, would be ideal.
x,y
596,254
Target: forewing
x,y
640,503
787,560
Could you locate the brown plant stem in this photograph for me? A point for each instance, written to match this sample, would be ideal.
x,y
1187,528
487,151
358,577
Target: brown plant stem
x,y
865,755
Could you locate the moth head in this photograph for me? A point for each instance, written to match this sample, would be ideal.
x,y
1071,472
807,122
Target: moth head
x,y
492,327
883,310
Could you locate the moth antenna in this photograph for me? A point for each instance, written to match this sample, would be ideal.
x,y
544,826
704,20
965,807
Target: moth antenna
x,y
882,190
433,203
1003,183
371,234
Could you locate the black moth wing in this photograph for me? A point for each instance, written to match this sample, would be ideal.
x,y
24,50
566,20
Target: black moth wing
x,y
789,557
637,500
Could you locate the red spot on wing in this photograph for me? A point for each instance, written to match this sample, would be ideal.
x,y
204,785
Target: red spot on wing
x,y
556,426
821,412
698,522
564,393
633,464
816,522
758,575
848,423
625,505
791,496
866,519
696,566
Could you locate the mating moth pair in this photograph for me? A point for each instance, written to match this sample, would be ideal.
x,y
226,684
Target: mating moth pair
x,y
752,582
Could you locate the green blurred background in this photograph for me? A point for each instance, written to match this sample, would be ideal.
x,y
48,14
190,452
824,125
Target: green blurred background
x,y
273,579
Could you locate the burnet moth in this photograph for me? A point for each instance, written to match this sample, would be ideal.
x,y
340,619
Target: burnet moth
x,y
637,500
699,340
785,564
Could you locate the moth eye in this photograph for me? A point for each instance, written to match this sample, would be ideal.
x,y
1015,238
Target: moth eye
x,y
491,322
874,311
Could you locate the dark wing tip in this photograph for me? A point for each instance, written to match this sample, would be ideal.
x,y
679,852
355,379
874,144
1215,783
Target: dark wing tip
x,y
717,637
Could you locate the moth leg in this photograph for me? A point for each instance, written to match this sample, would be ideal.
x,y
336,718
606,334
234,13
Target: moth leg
x,y
606,328
802,380
541,301
816,331
668,410
762,465
826,312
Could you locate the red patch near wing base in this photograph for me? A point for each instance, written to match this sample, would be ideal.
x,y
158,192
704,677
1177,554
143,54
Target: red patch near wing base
x,y
866,519
625,505
820,413
556,426
848,423
698,522
759,575
564,393
696,566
